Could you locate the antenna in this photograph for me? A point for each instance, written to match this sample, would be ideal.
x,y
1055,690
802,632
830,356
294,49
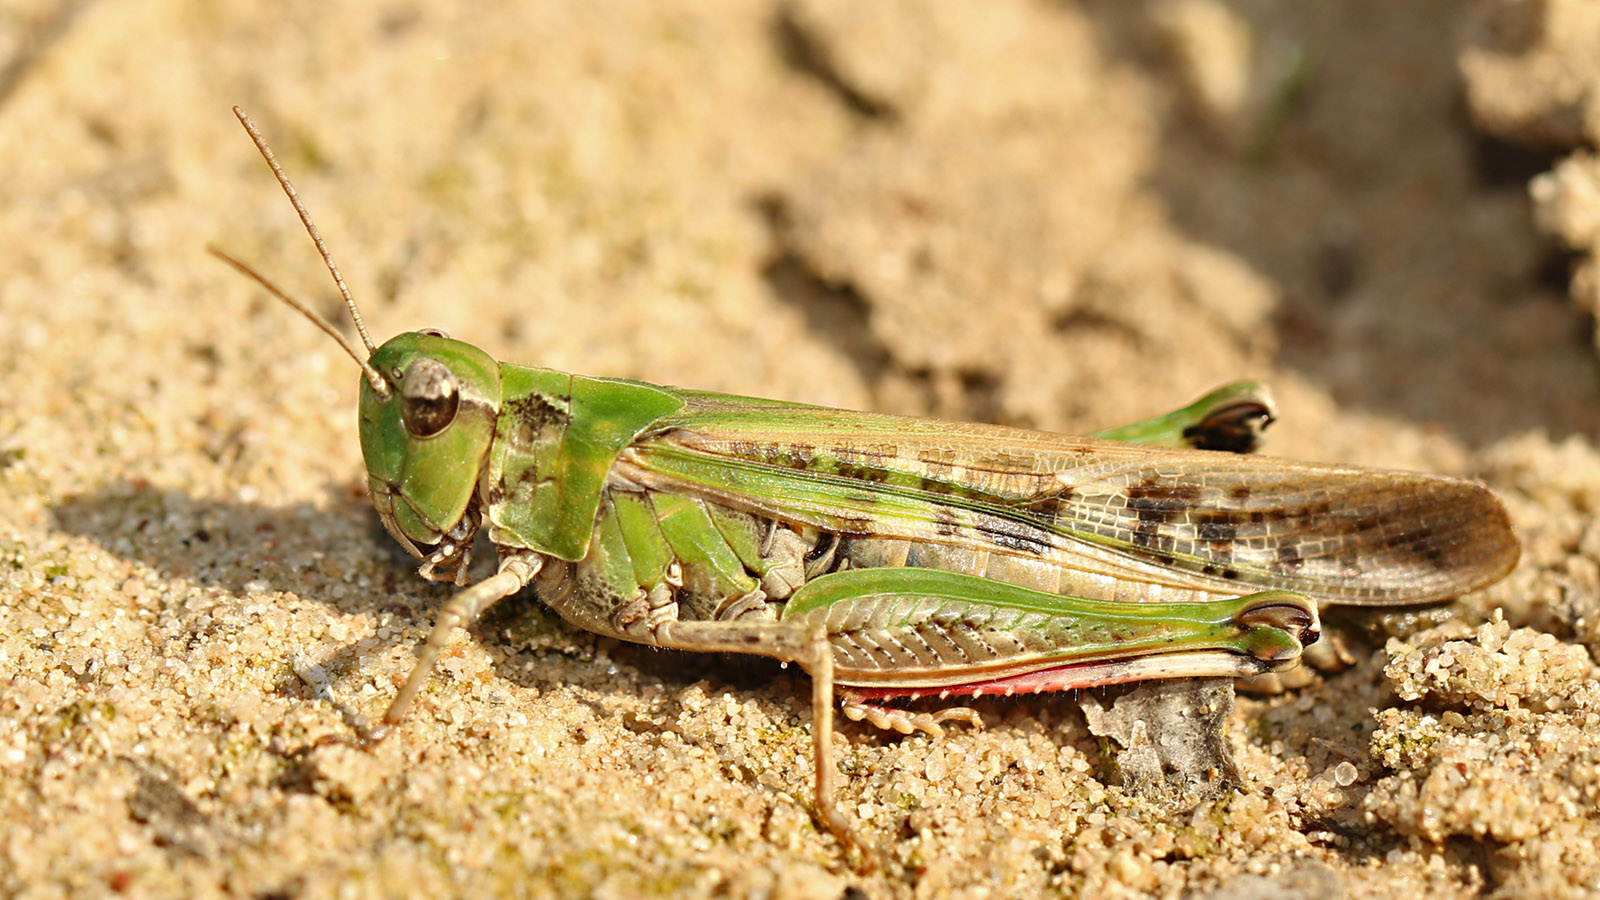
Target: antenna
x,y
380,386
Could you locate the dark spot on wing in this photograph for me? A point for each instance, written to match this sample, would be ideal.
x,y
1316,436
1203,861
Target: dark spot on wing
x,y
1011,535
1146,532
1217,528
861,473
1288,557
1436,555
1161,503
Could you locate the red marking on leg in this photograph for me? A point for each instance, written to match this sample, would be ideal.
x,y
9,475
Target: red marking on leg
x,y
1060,678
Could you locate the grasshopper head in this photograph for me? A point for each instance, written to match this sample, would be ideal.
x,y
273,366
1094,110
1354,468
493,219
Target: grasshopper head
x,y
428,404
426,436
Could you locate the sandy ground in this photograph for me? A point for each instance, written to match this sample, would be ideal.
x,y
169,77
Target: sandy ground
x,y
1052,214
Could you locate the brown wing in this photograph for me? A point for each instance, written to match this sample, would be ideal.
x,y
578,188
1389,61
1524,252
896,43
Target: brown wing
x,y
1183,518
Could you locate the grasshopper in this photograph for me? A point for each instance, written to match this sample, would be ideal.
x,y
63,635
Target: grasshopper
x,y
890,557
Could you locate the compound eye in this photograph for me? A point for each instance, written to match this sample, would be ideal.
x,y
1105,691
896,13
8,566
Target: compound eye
x,y
429,398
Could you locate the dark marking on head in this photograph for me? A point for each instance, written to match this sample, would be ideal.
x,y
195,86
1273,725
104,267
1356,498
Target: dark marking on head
x,y
534,415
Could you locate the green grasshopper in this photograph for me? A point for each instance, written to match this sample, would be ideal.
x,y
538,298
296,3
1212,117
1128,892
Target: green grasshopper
x,y
890,557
